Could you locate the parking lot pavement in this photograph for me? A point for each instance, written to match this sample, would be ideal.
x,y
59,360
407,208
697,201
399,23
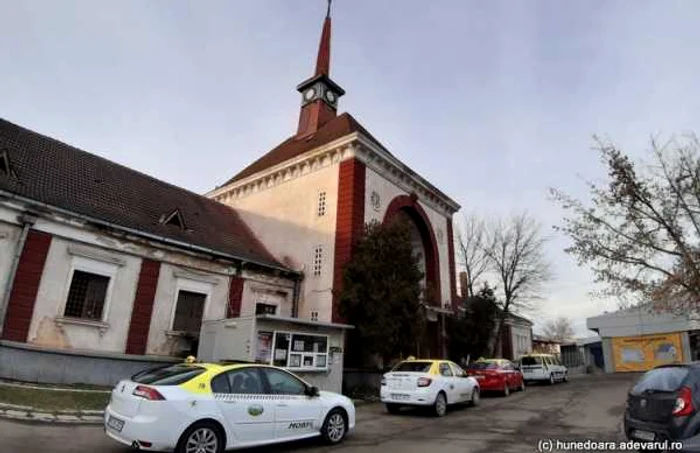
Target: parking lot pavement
x,y
590,407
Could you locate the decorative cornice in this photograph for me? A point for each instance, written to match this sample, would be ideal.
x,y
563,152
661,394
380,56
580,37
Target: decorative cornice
x,y
314,160
352,145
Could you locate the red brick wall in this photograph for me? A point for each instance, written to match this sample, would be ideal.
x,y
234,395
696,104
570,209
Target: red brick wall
x,y
25,286
451,252
143,307
235,297
350,221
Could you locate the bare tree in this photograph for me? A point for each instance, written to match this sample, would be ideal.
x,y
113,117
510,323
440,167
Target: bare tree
x,y
516,254
559,329
640,233
472,253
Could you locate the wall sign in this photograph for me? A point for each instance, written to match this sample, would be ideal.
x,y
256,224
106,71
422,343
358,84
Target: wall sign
x,y
375,200
263,352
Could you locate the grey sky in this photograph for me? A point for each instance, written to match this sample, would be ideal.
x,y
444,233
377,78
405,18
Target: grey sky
x,y
492,101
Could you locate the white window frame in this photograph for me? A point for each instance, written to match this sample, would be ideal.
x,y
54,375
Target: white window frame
x,y
184,284
91,266
289,351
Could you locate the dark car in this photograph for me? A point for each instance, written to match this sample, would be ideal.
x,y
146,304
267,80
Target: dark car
x,y
663,405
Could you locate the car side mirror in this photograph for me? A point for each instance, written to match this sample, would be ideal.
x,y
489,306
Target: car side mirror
x,y
312,391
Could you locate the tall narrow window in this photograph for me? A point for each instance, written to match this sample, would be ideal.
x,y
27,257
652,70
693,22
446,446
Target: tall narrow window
x,y
314,316
321,204
318,260
189,311
86,297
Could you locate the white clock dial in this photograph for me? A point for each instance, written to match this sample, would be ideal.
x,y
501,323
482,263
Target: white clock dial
x,y
330,96
310,93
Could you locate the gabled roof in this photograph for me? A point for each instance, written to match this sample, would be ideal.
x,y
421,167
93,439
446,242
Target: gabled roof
x,y
294,146
65,177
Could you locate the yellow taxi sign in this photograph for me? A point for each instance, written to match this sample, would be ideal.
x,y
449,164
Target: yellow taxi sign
x,y
190,359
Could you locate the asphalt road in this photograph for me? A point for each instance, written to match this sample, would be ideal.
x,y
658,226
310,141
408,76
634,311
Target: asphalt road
x,y
590,407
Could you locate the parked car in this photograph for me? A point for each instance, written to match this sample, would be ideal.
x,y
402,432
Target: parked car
x,y
497,375
210,407
543,368
663,405
429,383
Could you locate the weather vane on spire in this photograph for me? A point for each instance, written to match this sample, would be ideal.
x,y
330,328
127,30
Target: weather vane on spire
x,y
328,11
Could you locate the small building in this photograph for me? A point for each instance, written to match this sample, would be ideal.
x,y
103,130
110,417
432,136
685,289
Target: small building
x,y
639,338
516,337
544,345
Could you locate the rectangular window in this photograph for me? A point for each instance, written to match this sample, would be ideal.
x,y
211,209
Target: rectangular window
x,y
86,297
321,204
189,311
265,309
318,260
300,351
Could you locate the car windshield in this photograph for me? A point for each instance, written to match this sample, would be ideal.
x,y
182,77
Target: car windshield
x,y
170,375
527,361
666,379
413,366
483,366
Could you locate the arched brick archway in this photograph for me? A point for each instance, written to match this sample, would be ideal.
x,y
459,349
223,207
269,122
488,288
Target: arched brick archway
x,y
408,204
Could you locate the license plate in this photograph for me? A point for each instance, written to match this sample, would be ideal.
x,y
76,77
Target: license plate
x,y
115,424
399,396
644,435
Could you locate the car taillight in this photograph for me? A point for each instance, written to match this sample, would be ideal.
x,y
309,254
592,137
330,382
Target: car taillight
x,y
424,382
684,403
383,381
148,393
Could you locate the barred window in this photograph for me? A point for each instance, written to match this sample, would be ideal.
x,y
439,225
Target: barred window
x,y
189,311
321,204
318,260
86,297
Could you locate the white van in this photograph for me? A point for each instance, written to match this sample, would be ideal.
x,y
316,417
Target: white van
x,y
543,368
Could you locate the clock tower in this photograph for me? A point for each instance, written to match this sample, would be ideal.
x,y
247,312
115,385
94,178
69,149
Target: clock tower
x,y
319,94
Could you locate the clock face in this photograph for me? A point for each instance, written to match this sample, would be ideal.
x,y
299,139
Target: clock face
x,y
310,93
330,96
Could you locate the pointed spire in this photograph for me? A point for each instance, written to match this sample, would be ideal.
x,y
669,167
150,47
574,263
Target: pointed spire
x,y
323,61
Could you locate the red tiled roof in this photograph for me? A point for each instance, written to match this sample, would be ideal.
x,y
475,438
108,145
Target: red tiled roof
x,y
62,176
294,146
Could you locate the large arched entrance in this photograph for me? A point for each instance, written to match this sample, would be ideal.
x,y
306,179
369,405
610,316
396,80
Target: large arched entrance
x,y
407,208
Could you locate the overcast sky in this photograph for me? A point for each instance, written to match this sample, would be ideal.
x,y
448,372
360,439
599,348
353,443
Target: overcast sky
x,y
492,101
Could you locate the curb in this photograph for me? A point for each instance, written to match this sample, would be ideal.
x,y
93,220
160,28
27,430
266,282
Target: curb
x,y
30,414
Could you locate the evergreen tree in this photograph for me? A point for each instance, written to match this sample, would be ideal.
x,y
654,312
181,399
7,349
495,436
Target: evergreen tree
x,y
381,294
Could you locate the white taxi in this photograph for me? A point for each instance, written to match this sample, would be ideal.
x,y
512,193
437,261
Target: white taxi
x,y
432,383
210,407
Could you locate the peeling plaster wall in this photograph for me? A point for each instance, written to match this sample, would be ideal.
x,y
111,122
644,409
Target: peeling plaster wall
x,y
53,292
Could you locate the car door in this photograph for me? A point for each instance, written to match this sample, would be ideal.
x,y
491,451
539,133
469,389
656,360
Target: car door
x,y
463,383
297,414
512,377
240,395
450,384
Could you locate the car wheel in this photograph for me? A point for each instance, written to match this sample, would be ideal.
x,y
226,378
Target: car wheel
x,y
440,405
335,427
506,389
393,408
565,378
475,398
202,437
522,385
551,379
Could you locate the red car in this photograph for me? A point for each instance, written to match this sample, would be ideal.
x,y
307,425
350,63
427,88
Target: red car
x,y
497,374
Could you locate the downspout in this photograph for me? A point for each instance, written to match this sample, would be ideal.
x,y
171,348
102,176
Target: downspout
x,y
27,221
295,296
